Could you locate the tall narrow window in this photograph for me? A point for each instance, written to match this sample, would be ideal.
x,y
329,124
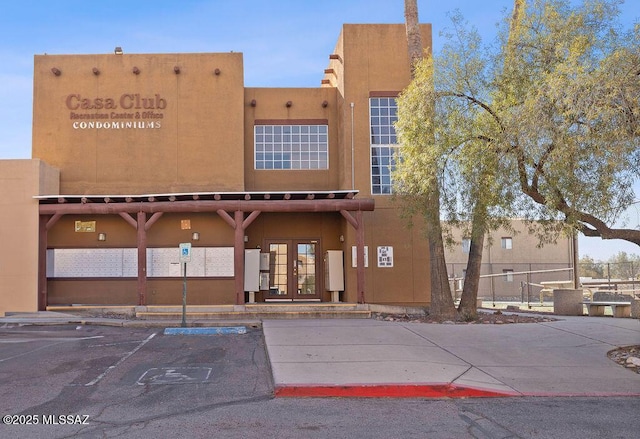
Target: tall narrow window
x,y
507,243
384,143
508,275
466,245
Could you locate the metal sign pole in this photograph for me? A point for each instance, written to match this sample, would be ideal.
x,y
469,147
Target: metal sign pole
x,y
184,295
185,256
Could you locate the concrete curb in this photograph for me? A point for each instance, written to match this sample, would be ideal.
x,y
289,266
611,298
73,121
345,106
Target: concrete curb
x,y
389,391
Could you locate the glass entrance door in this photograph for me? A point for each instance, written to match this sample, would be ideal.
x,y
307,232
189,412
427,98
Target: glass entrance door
x,y
293,270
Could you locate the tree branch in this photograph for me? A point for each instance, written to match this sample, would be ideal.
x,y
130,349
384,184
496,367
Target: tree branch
x,y
475,101
587,224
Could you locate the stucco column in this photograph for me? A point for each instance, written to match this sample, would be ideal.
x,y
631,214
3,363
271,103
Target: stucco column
x,y
42,264
45,223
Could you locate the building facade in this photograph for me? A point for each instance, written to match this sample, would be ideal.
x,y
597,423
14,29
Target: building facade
x,y
514,265
139,153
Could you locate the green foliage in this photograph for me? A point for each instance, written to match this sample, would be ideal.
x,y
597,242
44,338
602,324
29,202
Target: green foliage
x,y
619,266
568,98
590,268
447,136
552,113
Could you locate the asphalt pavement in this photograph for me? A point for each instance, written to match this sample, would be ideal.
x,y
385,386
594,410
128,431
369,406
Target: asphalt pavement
x,y
373,358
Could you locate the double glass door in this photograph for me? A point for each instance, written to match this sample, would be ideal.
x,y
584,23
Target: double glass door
x,y
293,269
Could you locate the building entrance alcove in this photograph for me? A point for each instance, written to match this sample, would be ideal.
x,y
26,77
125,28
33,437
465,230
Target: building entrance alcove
x,y
294,270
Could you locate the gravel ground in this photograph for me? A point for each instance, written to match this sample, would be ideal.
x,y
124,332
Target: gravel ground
x,y
483,317
627,357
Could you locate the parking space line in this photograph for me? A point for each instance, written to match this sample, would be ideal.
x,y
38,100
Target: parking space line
x,y
127,355
48,346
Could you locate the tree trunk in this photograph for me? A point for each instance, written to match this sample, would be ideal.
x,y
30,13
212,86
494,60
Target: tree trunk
x,y
467,307
414,38
441,300
442,304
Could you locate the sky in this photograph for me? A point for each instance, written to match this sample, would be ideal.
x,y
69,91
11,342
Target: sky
x,y
285,43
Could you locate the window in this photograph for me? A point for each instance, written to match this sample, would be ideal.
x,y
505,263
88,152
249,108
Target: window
x,y
508,275
507,243
384,143
466,245
291,147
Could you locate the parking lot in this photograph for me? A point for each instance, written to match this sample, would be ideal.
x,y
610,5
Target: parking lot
x,y
95,381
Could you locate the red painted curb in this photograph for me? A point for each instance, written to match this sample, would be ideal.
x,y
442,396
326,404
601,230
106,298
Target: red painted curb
x,y
388,391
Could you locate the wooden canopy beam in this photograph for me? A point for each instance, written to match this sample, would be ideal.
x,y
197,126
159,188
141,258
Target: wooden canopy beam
x,y
54,219
211,206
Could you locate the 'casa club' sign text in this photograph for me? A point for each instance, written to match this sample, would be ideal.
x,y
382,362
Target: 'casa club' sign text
x,y
129,111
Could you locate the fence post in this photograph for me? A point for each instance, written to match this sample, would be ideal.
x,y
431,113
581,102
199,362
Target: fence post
x,y
633,279
529,286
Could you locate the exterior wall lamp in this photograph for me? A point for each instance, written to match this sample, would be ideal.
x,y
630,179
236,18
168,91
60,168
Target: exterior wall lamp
x,y
102,236
195,236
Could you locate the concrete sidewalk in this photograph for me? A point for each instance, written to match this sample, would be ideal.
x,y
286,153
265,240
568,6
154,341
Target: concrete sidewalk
x,y
370,358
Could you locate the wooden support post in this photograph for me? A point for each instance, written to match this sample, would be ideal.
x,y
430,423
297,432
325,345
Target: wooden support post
x,y
238,255
358,224
360,253
142,258
239,224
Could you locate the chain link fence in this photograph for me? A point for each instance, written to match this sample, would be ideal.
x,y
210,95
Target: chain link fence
x,y
611,280
526,283
624,271
513,282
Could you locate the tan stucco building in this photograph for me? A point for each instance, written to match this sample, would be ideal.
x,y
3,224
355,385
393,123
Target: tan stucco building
x,y
514,264
135,154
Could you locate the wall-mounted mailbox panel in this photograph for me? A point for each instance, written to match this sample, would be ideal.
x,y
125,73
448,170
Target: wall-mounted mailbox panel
x,y
252,270
264,261
333,270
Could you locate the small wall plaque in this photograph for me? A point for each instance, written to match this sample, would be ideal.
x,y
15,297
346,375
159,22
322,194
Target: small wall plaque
x,y
85,226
